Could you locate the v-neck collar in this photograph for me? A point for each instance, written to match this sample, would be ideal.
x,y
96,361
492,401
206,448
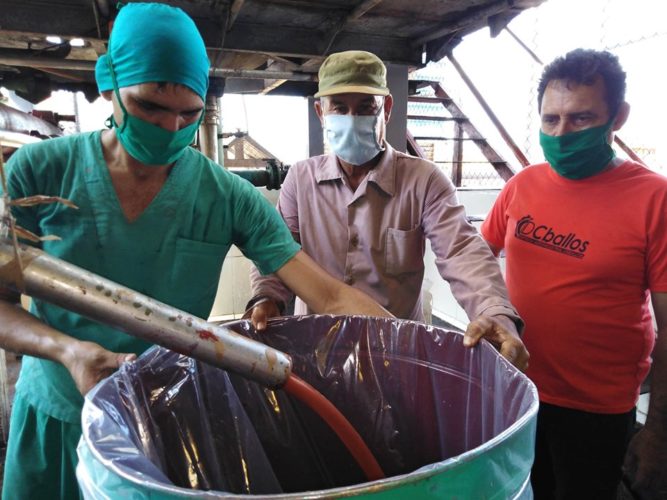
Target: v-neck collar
x,y
100,185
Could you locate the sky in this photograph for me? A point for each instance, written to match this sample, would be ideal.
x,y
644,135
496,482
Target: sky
x,y
501,69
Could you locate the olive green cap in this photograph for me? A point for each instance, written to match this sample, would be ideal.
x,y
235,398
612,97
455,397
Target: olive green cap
x,y
352,71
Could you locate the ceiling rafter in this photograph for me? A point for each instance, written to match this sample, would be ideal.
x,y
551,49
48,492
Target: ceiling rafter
x,y
234,11
356,13
273,46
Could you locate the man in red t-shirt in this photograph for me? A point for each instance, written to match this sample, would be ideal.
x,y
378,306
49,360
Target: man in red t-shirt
x,y
586,246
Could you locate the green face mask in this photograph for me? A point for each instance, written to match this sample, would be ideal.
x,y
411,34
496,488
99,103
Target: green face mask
x,y
578,155
148,143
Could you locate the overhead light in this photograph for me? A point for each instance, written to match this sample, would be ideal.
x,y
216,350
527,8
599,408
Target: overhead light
x,y
77,42
54,39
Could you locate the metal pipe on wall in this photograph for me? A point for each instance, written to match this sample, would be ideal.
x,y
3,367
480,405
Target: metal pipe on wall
x,y
75,289
271,176
208,131
17,121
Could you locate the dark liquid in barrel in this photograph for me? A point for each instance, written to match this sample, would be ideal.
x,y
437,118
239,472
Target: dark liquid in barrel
x,y
305,393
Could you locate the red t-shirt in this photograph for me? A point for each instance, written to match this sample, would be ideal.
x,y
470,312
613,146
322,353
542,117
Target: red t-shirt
x,y
582,259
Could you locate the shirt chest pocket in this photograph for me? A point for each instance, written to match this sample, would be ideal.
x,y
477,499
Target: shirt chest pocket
x,y
404,251
195,273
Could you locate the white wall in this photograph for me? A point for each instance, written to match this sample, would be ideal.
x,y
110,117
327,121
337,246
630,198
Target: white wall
x,y
234,286
477,202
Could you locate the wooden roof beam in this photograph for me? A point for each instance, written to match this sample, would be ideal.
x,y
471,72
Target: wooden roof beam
x,y
361,9
80,65
274,83
465,19
234,12
356,13
291,41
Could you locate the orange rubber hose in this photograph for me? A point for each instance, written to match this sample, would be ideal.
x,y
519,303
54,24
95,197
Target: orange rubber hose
x,y
305,393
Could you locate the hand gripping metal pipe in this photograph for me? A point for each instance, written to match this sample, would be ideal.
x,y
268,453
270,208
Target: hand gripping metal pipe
x,y
58,282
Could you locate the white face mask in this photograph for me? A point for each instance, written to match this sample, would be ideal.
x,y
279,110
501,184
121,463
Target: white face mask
x,y
353,138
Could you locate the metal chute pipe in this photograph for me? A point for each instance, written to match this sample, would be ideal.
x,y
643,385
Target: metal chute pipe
x,y
70,287
271,176
256,176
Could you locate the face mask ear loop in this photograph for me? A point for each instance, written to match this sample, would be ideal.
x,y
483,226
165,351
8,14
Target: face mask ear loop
x,y
117,92
203,111
610,130
201,117
375,128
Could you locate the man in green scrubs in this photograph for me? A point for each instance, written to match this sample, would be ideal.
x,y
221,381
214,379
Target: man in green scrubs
x,y
154,215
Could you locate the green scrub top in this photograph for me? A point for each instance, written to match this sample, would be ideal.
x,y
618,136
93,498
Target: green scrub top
x,y
173,252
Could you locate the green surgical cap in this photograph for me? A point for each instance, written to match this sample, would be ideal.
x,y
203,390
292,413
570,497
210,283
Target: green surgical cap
x,y
154,42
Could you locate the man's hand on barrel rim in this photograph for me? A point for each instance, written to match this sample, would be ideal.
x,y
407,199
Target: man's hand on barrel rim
x,y
501,331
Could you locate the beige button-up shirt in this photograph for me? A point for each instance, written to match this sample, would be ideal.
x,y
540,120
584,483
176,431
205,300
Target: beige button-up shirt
x,y
374,238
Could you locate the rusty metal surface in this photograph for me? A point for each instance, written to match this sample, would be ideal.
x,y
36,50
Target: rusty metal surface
x,y
13,120
50,279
